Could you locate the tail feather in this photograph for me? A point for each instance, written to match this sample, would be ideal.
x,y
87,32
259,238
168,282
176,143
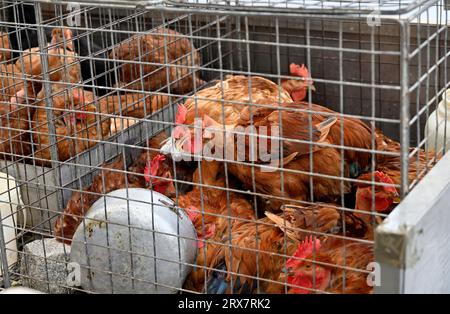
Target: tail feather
x,y
218,284
324,127
282,223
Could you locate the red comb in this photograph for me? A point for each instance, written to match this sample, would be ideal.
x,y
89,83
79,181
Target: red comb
x,y
80,116
155,163
180,118
382,177
78,95
298,70
304,249
147,173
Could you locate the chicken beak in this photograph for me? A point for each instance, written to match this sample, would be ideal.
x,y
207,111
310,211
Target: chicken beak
x,y
180,143
167,146
287,271
312,87
173,147
395,197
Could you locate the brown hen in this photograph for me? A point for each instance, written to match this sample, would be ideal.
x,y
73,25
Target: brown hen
x,y
260,250
16,111
76,130
225,101
333,266
5,53
285,177
419,163
158,54
63,64
135,105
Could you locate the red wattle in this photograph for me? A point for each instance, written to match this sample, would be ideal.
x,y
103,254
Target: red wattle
x,y
300,281
382,204
299,95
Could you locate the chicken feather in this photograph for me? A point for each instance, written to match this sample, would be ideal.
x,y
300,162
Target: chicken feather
x,y
153,53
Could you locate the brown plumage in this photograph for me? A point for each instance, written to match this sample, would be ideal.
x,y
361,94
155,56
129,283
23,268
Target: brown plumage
x,y
257,249
225,100
15,112
419,163
5,55
295,186
12,91
215,199
135,105
152,48
63,63
266,245
214,219
298,221
347,254
296,126
75,131
291,185
356,135
233,98
329,264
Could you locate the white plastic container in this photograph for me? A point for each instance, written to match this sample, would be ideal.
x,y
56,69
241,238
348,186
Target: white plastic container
x,y
437,129
154,231
9,200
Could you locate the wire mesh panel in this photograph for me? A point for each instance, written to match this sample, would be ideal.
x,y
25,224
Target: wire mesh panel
x,y
210,149
309,6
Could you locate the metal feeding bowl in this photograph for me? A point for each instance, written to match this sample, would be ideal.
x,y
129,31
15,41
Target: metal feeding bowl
x,y
139,245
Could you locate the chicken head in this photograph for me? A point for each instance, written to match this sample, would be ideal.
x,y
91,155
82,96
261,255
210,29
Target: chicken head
x,y
302,272
383,196
158,177
299,89
187,139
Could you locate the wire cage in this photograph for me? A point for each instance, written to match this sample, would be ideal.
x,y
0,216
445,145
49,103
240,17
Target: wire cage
x,y
224,146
